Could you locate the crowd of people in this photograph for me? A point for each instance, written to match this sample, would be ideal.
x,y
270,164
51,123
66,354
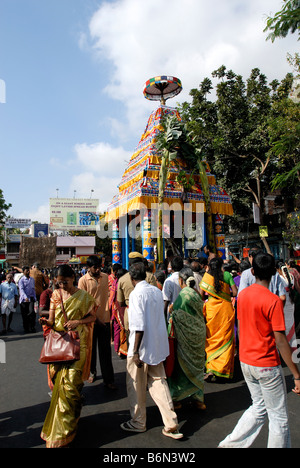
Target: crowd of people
x,y
22,286
177,327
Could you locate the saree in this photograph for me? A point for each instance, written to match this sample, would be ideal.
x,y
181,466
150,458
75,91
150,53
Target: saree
x,y
296,276
219,316
61,421
117,319
187,379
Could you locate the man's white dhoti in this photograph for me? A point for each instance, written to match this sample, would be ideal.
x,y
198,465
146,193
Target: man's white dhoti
x,y
7,306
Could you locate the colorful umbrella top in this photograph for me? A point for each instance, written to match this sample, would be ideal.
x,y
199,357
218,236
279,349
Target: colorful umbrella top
x,y
161,88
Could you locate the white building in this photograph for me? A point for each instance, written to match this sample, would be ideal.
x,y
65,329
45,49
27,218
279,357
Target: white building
x,y
68,247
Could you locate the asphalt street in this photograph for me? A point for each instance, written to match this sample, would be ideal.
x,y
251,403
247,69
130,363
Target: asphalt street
x,y
24,402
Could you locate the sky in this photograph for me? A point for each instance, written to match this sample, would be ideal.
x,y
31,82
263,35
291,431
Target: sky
x,y
72,74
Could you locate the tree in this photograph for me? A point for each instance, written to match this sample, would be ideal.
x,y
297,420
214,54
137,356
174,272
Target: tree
x,y
292,231
284,130
286,20
285,141
234,132
4,207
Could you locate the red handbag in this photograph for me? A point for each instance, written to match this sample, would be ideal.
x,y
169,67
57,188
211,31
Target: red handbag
x,y
60,347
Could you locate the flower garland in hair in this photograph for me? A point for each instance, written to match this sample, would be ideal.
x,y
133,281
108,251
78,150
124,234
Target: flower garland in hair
x,y
189,281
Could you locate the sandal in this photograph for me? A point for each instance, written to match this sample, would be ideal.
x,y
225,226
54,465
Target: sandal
x,y
199,405
92,378
173,434
210,377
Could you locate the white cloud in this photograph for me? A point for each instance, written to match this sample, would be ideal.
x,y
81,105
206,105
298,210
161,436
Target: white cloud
x,y
102,168
104,188
188,39
102,158
41,214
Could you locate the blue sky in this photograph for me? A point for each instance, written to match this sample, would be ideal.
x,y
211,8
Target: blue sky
x,y
74,72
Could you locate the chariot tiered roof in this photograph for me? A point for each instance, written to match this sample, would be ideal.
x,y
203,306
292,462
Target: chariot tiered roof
x,y
140,181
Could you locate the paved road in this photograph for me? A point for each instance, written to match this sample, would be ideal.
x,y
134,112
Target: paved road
x,y
24,402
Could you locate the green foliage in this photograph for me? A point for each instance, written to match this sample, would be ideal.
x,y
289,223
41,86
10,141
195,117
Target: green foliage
x,y
287,178
167,140
167,143
292,233
172,144
285,21
284,132
233,132
4,207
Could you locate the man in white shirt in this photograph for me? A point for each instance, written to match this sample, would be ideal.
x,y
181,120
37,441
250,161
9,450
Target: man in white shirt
x,y
148,348
171,287
276,285
8,301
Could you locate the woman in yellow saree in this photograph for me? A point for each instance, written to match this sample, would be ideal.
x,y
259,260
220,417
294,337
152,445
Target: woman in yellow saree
x,y
60,425
219,315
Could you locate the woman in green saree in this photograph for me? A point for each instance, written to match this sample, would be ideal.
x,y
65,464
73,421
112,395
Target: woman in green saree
x,y
60,425
187,324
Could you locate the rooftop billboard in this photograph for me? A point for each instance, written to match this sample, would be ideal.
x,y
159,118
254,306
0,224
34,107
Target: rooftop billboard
x,y
74,214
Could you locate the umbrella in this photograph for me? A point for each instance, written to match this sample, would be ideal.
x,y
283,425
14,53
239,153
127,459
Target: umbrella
x,y
161,88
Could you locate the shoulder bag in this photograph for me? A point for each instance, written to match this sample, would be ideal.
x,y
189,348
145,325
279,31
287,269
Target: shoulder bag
x,y
60,347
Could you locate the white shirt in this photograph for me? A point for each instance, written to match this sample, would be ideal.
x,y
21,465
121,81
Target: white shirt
x,y
146,313
171,288
276,285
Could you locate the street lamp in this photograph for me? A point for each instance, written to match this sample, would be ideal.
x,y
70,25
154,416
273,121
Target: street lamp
x,y
57,192
92,191
74,193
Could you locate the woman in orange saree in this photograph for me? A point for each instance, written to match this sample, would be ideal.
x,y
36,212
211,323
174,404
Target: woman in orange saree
x,y
219,315
61,422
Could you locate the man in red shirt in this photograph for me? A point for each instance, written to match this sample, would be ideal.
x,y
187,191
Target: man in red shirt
x,y
262,337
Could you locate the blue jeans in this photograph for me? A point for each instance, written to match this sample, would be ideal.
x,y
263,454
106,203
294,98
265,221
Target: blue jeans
x,y
268,393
